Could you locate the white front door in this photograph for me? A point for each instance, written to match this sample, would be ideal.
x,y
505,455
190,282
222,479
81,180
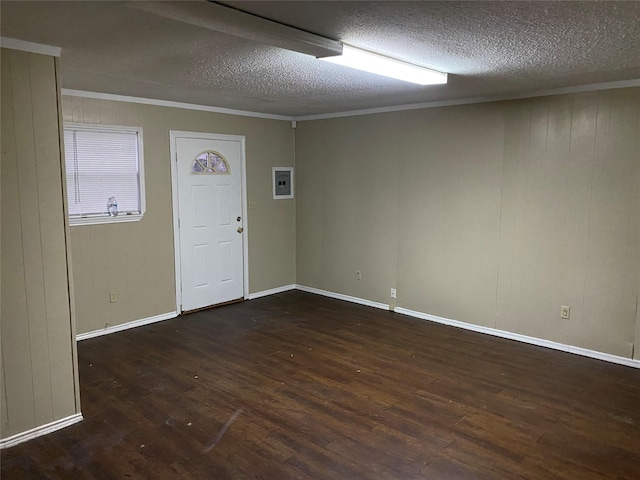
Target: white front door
x,y
209,183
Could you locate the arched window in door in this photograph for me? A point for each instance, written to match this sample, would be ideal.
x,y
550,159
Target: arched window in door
x,y
210,163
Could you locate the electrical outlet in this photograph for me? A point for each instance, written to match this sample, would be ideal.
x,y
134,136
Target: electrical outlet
x,y
358,275
393,293
113,297
565,312
252,204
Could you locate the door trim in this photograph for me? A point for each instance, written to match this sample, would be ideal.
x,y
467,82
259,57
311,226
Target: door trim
x,y
173,136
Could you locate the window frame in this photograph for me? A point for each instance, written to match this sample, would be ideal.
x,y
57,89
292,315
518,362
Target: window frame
x,y
98,219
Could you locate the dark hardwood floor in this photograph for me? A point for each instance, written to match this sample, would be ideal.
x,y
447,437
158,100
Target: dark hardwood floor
x,y
297,386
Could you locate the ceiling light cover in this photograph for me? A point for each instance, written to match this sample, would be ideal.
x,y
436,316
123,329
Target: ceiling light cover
x,y
389,67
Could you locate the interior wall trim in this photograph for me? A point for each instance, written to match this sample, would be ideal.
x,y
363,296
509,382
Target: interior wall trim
x,y
585,352
350,113
168,103
126,326
340,296
271,291
469,101
40,431
15,44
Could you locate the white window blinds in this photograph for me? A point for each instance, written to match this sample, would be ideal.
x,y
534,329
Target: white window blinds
x,y
103,162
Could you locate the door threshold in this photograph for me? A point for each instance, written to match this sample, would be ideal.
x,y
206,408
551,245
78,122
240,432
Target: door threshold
x,y
209,307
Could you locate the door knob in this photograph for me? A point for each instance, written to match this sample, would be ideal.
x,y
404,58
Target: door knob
x,y
240,229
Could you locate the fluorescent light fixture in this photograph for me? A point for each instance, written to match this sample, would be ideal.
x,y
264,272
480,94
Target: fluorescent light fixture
x,y
389,67
226,19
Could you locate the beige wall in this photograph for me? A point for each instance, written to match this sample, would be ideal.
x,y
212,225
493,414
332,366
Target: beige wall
x,y
346,205
493,214
38,366
136,260
636,350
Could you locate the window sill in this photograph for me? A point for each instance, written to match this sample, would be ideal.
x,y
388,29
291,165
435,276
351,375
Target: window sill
x,y
78,222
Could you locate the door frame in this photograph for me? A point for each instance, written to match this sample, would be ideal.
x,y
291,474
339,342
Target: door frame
x,y
173,136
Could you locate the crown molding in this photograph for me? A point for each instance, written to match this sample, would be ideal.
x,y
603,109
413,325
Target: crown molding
x,y
22,45
171,104
351,113
468,101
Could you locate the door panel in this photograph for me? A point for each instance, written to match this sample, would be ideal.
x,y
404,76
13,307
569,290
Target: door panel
x,y
199,205
225,256
209,174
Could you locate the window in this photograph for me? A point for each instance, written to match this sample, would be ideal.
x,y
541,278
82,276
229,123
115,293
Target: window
x,y
105,180
210,163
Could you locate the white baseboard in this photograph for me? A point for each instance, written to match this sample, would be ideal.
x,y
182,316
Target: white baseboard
x,y
340,296
40,431
126,326
607,357
272,291
585,352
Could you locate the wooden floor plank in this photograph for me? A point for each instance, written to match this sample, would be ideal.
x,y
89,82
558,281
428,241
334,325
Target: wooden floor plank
x,y
297,386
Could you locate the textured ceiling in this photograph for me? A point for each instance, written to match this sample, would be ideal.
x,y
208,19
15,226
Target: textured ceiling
x,y
489,48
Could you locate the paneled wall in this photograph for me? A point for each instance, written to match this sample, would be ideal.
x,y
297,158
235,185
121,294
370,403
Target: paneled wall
x,y
636,350
492,214
136,260
347,184
39,371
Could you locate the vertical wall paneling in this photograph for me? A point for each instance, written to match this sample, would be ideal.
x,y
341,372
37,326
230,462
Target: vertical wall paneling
x,y
4,413
505,211
449,204
608,266
29,150
37,345
309,197
16,348
636,203
349,208
8,156
52,230
31,238
67,239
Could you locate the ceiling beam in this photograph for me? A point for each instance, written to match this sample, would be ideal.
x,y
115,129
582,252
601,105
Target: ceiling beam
x,y
228,20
